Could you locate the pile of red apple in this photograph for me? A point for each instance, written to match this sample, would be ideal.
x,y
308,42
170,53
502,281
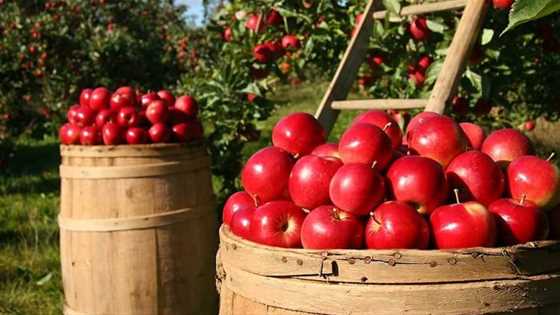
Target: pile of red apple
x,y
442,185
128,116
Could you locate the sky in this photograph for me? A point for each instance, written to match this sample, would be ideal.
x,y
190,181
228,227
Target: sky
x,y
195,8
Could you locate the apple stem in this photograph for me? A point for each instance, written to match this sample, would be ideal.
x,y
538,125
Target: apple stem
x,y
256,200
387,126
336,214
374,164
523,198
456,192
551,156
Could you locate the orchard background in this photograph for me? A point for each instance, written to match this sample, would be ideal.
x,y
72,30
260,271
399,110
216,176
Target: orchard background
x,y
249,63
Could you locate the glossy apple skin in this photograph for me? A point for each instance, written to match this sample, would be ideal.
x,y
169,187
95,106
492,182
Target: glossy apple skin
x,y
419,181
290,42
240,223
104,116
111,134
277,223
327,150
384,121
536,178
265,175
159,133
135,135
309,180
519,223
237,201
298,134
365,143
475,134
326,227
129,93
166,96
72,113
463,225
69,134
84,116
147,98
502,4
418,29
187,131
476,176
119,101
357,189
85,96
90,135
506,145
157,112
128,117
417,121
187,105
396,225
99,99
439,138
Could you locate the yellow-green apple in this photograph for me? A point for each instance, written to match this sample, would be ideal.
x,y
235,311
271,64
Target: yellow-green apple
x,y
277,223
365,143
506,145
298,133
519,221
536,179
384,121
327,227
475,134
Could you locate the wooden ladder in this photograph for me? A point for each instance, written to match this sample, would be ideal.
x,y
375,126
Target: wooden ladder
x,y
445,87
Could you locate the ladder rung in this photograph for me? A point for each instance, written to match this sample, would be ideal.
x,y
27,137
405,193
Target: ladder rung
x,y
417,9
380,104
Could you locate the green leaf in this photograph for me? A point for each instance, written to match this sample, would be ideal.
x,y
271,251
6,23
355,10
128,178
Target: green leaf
x,y
436,27
524,11
475,79
487,35
393,6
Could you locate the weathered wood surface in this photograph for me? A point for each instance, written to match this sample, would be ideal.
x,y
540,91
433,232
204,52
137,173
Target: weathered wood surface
x,y
380,104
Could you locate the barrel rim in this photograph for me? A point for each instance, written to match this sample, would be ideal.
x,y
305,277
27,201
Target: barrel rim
x,y
124,150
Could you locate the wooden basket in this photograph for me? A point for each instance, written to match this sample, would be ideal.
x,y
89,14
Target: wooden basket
x,y
256,279
137,230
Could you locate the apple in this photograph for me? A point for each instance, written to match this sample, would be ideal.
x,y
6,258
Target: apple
x,y
72,114
69,134
463,225
85,96
135,135
536,179
227,35
298,133
157,112
418,77
419,181
176,116
424,62
439,138
187,105
237,201
326,227
128,117
111,134
104,116
365,143
119,101
357,188
265,175
529,125
506,145
502,4
326,150
253,22
99,99
240,223
519,221
290,42
417,121
273,18
159,133
277,223
84,116
475,134
90,135
262,53
147,98
396,225
476,176
418,28
309,180
129,93
276,49
166,96
384,121
187,131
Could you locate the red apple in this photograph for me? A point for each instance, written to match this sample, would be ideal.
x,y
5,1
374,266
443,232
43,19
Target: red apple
x,y
326,150
159,133
290,42
326,227
384,121
227,35
237,201
188,105
157,112
187,131
104,116
72,114
253,22
240,223
365,143
69,134
439,138
84,116
265,175
357,188
475,134
506,145
135,135
309,180
519,221
277,223
166,96
85,96
99,99
119,101
463,225
90,135
129,93
424,62
418,28
529,125
397,225
273,18
502,4
298,133
111,134
128,117
417,121
176,116
262,53
476,176
419,181
148,98
536,179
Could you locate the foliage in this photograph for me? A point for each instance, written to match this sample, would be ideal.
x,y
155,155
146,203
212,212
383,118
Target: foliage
x,y
524,11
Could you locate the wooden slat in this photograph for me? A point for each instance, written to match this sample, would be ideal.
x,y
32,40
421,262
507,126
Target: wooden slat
x,y
347,70
380,104
457,54
425,8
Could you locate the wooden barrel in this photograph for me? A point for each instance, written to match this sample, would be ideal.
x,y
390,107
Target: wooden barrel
x,y
138,230
256,279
